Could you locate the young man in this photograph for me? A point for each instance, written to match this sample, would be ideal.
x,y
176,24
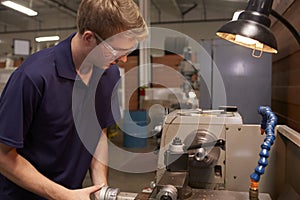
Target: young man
x,y
47,141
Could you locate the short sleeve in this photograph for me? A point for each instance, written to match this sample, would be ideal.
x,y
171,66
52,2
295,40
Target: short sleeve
x,y
18,103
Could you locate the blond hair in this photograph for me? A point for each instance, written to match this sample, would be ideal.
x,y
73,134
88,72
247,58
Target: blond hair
x,y
110,17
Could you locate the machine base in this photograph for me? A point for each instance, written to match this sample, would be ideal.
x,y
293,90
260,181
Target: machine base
x,y
204,194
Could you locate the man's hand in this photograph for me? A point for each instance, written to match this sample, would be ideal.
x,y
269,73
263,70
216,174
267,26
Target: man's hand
x,y
85,193
97,193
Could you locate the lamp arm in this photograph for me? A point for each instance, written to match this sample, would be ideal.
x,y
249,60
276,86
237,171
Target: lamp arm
x,y
287,24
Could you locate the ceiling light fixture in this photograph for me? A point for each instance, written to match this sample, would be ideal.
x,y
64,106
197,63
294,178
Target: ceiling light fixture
x,y
251,29
19,8
47,38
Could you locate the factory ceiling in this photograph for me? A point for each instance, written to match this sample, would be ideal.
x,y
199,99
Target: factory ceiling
x,y
58,16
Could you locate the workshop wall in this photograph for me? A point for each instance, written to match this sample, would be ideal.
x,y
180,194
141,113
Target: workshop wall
x,y
286,70
197,31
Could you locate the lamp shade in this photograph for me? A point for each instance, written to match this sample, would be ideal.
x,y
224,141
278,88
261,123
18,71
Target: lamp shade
x,y
251,29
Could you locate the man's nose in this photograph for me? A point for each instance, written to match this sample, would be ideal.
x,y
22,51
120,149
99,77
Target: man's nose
x,y
123,59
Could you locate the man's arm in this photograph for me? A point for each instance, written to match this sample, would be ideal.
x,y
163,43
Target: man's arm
x,y
99,169
17,169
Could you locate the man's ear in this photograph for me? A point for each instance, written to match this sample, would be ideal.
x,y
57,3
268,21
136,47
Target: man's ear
x,y
88,37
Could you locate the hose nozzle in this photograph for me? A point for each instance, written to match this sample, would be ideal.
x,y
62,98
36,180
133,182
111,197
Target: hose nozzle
x,y
253,190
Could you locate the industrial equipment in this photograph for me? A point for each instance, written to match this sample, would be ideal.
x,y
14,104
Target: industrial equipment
x,y
209,154
220,151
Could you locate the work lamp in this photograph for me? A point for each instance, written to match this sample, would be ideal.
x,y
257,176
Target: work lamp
x,y
251,28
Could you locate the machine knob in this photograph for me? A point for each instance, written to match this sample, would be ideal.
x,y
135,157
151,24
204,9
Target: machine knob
x,y
168,192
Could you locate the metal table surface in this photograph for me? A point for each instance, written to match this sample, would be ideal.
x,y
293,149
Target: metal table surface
x,y
203,194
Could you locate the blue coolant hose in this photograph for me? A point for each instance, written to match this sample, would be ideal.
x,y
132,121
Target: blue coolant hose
x,y
268,124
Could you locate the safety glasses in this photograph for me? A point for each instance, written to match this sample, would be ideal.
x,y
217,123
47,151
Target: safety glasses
x,y
117,53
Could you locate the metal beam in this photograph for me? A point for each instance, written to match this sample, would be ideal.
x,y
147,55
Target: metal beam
x,y
176,6
144,53
62,7
192,21
39,30
75,28
204,9
189,9
157,8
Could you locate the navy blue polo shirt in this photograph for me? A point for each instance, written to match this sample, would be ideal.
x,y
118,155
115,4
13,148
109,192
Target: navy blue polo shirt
x,y
38,110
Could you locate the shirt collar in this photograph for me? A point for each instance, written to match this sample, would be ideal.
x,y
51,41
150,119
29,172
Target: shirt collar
x,y
64,60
